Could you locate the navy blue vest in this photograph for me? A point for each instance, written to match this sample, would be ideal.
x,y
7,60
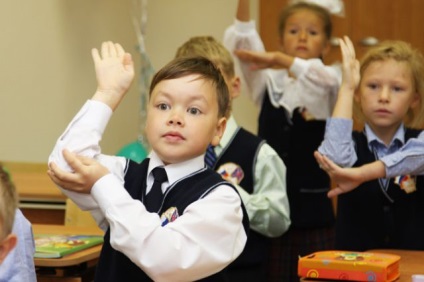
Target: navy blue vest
x,y
295,140
243,151
372,217
114,266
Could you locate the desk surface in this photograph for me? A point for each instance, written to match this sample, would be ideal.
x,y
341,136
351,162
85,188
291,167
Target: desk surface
x,y
72,259
32,182
411,262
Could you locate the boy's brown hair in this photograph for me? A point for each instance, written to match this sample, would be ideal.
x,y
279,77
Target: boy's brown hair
x,y
8,203
201,66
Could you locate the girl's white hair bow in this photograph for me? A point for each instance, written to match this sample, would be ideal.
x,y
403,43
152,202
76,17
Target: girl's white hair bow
x,y
335,7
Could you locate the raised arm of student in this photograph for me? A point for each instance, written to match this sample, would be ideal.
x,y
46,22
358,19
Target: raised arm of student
x,y
338,144
114,72
242,34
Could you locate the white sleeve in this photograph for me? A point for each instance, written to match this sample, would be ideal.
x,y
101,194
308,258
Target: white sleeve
x,y
243,35
82,136
318,84
268,205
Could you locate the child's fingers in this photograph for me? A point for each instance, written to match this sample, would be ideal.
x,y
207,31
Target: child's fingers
x,y
112,49
350,46
85,160
60,175
319,159
119,50
95,55
105,50
72,160
334,192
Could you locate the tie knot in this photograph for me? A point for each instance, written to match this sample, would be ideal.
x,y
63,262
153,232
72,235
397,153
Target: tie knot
x,y
159,174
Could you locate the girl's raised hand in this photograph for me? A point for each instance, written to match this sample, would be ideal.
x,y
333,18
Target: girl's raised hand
x,y
351,75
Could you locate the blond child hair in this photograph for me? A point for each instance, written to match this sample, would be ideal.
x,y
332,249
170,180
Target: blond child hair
x,y
212,49
8,203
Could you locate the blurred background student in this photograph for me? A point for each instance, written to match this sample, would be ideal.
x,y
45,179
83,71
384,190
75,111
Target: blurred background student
x,y
295,92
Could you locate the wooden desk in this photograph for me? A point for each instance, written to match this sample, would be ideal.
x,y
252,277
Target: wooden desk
x,y
40,200
76,267
411,262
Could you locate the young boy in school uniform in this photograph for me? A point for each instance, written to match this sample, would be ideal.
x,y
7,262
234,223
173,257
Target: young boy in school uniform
x,y
200,226
252,166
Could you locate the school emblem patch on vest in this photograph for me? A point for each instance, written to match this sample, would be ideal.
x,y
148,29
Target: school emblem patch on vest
x,y
169,215
231,172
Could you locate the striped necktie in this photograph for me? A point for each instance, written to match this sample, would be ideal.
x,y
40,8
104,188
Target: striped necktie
x,y
210,156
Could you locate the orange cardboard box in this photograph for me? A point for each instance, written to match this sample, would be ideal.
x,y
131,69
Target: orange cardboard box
x,y
351,266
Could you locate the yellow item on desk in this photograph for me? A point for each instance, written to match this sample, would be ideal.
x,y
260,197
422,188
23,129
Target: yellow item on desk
x,y
74,216
350,266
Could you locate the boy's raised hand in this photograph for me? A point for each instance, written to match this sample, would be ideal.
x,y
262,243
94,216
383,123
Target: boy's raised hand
x,y
351,75
114,72
86,171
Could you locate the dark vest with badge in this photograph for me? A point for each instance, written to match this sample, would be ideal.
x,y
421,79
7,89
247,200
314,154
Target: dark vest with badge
x,y
295,140
242,151
378,216
113,265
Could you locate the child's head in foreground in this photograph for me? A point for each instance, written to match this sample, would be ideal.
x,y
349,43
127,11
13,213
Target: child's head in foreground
x,y
186,111
305,30
392,86
210,48
8,206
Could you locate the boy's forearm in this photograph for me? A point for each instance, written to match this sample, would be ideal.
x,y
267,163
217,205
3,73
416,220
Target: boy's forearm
x,y
372,171
111,99
344,104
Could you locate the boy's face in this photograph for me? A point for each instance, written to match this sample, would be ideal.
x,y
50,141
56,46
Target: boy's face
x,y
182,118
386,93
304,36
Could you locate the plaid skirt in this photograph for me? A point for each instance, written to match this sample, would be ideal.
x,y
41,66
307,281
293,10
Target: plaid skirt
x,y
285,251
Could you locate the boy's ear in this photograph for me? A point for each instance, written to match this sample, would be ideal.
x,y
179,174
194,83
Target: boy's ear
x,y
415,101
235,85
7,245
220,128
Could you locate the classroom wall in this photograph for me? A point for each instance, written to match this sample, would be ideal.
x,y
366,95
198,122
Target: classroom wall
x,y
46,71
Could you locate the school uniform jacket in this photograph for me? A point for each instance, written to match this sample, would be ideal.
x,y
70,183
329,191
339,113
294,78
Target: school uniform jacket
x,y
114,266
374,216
